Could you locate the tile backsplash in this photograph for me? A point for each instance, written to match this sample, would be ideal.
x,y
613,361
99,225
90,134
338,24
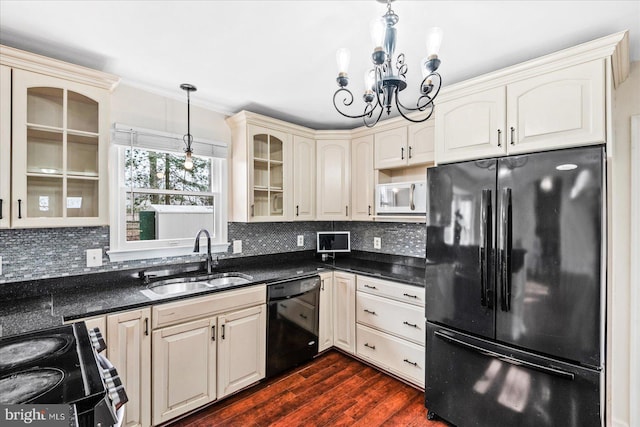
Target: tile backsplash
x,y
29,254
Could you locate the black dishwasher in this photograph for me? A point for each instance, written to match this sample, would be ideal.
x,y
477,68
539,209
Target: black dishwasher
x,y
292,323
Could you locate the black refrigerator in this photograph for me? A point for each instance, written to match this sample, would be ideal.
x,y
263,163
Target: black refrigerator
x,y
515,290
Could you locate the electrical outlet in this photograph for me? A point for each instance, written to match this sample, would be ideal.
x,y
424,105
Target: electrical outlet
x,y
300,240
94,257
237,246
377,243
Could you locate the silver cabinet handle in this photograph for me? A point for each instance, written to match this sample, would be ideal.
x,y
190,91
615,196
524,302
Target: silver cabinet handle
x,y
499,138
413,325
369,311
513,132
401,153
372,347
410,362
410,151
346,211
370,287
410,296
252,210
213,333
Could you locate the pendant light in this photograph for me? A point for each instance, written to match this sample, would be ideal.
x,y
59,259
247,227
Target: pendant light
x,y
188,138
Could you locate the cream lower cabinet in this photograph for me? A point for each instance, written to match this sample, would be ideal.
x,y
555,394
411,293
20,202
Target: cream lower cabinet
x,y
241,349
325,316
390,330
129,349
344,311
184,368
206,348
557,109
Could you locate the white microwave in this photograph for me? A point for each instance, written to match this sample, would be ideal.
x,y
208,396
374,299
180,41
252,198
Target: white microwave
x,y
406,198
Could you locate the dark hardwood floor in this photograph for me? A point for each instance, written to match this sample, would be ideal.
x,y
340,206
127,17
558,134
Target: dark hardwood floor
x,y
332,390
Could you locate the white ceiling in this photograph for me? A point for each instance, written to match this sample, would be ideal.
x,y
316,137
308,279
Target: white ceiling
x,y
278,57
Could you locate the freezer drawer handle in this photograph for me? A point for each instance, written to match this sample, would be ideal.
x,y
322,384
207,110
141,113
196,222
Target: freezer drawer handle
x,y
513,361
372,347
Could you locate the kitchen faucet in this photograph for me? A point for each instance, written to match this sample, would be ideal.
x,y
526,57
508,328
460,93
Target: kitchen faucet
x,y
196,248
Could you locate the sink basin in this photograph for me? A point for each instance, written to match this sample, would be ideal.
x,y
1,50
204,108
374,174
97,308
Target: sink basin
x,y
193,284
228,279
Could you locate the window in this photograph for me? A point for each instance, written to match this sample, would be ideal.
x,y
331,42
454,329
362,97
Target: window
x,y
158,205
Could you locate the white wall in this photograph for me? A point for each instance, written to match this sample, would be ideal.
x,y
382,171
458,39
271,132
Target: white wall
x,y
136,107
619,362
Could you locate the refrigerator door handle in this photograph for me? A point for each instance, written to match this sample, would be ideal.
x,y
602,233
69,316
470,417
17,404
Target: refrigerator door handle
x,y
505,252
511,360
485,249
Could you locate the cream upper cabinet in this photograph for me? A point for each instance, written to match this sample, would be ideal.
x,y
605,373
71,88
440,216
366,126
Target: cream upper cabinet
x,y
241,348
556,109
184,368
559,109
344,311
269,183
405,146
362,179
391,148
129,349
5,145
59,152
325,316
333,160
304,178
471,127
420,143
261,171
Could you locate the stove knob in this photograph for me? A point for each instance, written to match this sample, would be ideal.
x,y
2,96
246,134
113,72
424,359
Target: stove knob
x,y
113,382
109,373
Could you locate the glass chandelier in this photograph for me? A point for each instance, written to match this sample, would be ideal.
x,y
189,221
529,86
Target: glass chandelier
x,y
386,80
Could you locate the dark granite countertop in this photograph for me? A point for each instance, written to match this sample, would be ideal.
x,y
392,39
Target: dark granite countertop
x,y
31,305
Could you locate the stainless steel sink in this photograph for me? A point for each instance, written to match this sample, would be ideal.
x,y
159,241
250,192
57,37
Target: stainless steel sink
x,y
193,284
229,279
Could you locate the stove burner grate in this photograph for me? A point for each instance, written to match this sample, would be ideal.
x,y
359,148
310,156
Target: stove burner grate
x,y
24,386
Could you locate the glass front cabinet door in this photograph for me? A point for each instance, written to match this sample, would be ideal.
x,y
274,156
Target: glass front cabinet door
x,y
269,192
59,160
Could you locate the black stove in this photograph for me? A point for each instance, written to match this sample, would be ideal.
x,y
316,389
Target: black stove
x,y
62,365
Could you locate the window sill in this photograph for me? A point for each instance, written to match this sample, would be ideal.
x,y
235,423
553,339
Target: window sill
x,y
148,253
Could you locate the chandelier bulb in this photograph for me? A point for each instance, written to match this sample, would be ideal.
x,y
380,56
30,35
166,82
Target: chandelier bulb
x,y
434,41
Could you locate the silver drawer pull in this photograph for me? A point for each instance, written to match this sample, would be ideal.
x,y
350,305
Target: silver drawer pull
x,y
413,325
411,363
410,296
372,347
369,311
370,287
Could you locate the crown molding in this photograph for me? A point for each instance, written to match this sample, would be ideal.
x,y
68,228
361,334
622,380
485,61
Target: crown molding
x,y
20,59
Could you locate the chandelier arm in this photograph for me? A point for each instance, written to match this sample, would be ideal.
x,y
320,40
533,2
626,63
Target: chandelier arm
x,y
439,78
372,124
400,107
347,102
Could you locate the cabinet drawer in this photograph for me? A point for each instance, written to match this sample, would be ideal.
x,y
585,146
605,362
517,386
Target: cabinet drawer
x,y
298,312
397,318
195,308
393,354
398,291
